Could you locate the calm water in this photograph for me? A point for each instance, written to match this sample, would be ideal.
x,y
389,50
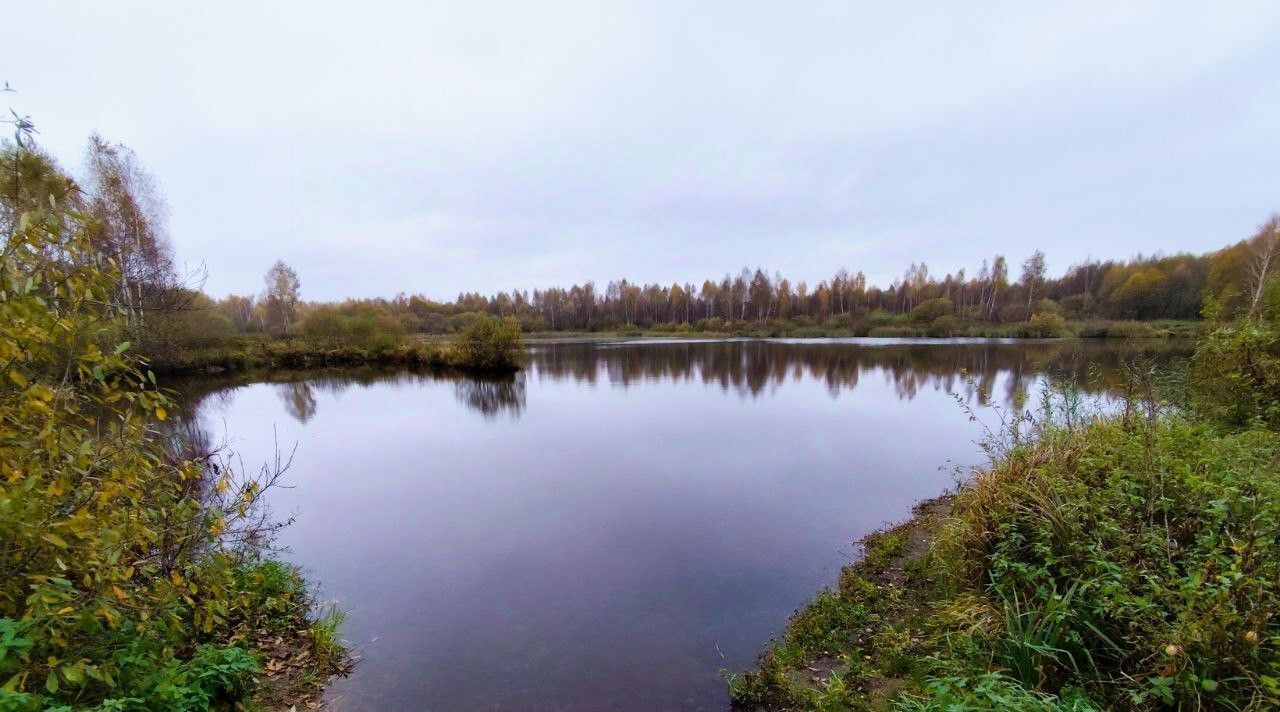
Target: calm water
x,y
619,522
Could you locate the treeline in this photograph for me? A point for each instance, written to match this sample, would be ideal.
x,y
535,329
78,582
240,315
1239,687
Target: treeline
x,y
1224,284
169,314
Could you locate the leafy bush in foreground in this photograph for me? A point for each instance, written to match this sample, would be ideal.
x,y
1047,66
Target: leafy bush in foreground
x,y
117,553
1236,374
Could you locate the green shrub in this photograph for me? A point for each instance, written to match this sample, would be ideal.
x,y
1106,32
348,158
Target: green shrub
x,y
488,343
943,326
117,588
363,327
1136,561
1236,374
1047,325
930,310
991,691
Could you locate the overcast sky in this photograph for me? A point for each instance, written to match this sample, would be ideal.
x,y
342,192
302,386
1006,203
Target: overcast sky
x,y
431,147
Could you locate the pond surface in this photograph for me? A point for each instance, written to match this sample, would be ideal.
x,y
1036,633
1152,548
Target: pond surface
x,y
615,525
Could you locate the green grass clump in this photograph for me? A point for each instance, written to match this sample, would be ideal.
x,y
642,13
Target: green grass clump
x,y
1131,562
328,651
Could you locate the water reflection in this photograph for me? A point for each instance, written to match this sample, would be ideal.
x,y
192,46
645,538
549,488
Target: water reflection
x,y
971,368
982,371
492,396
298,399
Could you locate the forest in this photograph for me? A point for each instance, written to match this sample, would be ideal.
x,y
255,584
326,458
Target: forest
x,y
1107,295
1142,296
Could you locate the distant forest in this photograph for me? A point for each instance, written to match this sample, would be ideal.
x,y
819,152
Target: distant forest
x,y
122,202
1221,284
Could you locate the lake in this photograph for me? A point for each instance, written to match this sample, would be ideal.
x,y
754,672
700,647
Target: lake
x,y
619,522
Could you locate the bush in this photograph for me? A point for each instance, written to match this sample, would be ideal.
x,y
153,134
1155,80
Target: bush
x,y
488,343
880,317
1046,325
361,326
1079,306
928,311
1131,559
116,579
193,322
943,326
1013,313
1236,374
1046,306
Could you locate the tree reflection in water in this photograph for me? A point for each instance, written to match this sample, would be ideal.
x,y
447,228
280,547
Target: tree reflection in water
x,y
299,401
981,371
492,396
970,368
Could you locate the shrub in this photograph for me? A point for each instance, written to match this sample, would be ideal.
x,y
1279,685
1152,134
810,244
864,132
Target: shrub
x,y
880,317
488,343
837,322
116,583
889,332
1236,373
1046,325
929,310
1133,560
943,326
361,326
1079,306
1013,313
1046,306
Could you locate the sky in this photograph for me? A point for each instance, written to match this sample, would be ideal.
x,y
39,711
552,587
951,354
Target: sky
x,y
432,147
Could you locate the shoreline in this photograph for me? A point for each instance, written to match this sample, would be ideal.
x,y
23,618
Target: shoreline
x,y
1097,561
294,356
878,595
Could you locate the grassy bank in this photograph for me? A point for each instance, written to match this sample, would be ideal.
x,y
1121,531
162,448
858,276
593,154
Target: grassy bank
x,y
489,345
1118,561
261,352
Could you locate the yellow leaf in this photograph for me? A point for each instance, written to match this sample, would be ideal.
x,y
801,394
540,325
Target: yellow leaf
x,y
161,413
55,540
18,378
